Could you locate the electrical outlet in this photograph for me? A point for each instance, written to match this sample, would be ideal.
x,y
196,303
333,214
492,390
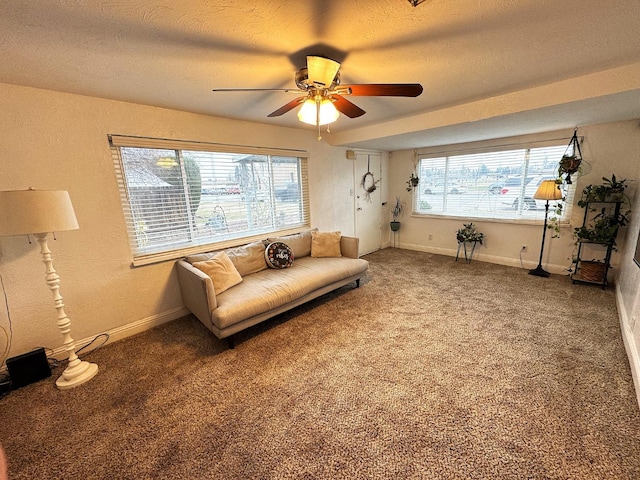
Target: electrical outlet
x,y
523,248
430,237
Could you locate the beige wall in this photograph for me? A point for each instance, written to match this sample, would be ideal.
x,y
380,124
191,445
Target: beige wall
x,y
59,141
628,285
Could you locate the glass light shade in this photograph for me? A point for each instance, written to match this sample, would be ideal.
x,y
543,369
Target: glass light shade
x,y
311,111
24,212
548,190
167,162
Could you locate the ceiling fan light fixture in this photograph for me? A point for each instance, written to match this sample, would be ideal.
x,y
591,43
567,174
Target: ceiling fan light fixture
x,y
318,112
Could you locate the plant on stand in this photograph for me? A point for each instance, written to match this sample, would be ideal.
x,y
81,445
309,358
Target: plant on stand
x,y
610,190
396,212
469,233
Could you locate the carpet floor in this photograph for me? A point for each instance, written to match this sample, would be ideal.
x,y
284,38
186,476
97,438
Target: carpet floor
x,y
432,369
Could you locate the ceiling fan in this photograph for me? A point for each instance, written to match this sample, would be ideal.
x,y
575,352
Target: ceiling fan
x,y
323,98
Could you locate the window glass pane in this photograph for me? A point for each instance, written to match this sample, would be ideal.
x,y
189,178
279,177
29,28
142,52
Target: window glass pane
x,y
175,199
498,185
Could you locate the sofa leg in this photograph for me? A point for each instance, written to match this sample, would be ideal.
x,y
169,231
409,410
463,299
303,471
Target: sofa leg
x,y
358,283
231,342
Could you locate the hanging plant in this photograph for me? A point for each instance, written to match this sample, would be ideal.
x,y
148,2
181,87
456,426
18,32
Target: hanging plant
x,y
570,162
412,182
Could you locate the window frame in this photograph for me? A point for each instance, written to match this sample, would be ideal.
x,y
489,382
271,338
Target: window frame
x,y
456,151
180,249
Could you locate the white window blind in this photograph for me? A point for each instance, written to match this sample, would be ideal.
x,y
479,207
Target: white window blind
x,y
179,197
490,184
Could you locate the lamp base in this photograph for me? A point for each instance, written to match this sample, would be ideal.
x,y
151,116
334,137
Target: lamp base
x,y
77,375
539,272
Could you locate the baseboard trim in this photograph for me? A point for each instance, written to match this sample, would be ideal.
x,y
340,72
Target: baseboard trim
x,y
128,330
629,343
483,257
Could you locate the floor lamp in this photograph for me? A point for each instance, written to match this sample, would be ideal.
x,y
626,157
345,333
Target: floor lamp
x,y
38,212
548,190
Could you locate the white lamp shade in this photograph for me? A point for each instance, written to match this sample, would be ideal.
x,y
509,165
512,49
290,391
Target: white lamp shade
x,y
548,190
24,212
310,109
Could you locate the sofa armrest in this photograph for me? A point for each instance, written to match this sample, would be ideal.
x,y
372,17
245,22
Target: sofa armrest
x,y
197,290
349,246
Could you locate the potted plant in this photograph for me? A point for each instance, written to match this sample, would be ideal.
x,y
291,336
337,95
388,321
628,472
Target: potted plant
x,y
412,182
396,212
568,165
610,190
469,233
570,162
604,228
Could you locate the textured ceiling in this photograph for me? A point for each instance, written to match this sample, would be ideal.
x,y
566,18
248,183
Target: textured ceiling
x,y
465,52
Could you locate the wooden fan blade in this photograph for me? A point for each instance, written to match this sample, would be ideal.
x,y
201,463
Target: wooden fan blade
x,y
384,89
345,106
286,90
289,106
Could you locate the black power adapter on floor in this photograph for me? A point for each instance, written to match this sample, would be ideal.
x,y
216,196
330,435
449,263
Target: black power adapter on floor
x,y
28,368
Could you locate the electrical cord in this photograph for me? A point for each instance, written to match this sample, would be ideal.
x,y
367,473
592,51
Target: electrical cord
x,y
106,339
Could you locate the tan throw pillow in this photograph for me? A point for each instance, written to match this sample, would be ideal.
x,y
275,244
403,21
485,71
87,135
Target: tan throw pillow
x,y
221,270
300,243
325,244
248,259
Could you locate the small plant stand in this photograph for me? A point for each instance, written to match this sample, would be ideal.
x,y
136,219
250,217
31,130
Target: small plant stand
x,y
468,248
592,271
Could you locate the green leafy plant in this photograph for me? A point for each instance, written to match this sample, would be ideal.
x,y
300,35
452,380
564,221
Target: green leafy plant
x,y
611,189
604,228
568,165
398,209
412,182
469,233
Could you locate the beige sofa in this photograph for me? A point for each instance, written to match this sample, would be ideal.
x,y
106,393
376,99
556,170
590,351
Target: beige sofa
x,y
264,292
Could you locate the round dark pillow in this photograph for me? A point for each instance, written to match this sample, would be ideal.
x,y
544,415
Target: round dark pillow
x,y
278,255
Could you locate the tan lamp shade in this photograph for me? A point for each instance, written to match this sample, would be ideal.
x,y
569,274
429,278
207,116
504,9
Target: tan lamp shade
x,y
548,190
24,212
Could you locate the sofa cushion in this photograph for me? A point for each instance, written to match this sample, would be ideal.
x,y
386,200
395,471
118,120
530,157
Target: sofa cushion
x,y
222,272
266,290
325,244
278,255
247,259
300,243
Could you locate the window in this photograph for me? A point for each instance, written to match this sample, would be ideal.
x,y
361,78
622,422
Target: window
x,y
495,185
178,196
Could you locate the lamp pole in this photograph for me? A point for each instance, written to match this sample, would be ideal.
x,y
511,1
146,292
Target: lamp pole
x,y
539,271
77,371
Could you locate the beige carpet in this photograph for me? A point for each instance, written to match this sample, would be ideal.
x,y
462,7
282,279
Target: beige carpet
x,y
432,369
